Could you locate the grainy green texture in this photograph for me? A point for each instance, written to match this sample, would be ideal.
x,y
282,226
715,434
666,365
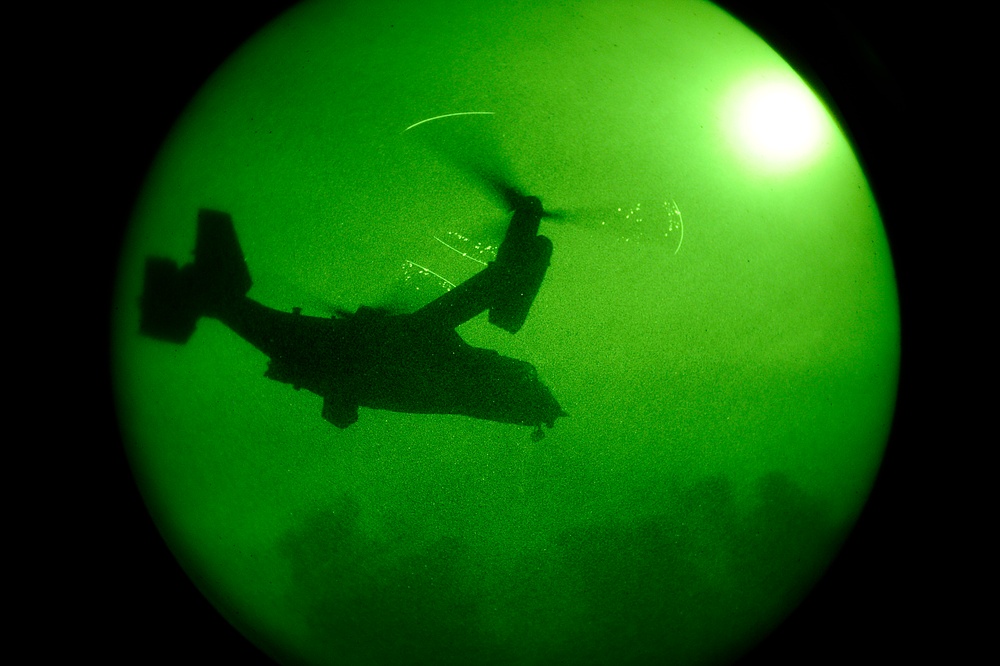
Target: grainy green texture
x,y
730,393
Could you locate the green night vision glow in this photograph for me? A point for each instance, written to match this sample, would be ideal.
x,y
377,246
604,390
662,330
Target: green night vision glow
x,y
538,332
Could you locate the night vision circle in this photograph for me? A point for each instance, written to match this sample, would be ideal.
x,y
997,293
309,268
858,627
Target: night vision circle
x,y
506,333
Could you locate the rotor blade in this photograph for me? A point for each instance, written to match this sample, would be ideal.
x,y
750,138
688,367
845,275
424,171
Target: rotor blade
x,y
468,142
496,184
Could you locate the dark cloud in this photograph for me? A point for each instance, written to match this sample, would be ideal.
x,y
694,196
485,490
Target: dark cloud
x,y
700,582
697,583
369,601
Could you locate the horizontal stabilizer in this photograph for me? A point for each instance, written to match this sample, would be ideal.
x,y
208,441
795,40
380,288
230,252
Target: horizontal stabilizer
x,y
174,298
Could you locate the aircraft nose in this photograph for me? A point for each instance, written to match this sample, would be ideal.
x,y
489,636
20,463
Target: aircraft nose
x,y
561,413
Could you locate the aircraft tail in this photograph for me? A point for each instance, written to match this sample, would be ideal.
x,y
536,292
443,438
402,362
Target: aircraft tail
x,y
175,298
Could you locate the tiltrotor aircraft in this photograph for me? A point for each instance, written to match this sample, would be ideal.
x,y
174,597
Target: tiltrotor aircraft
x,y
415,363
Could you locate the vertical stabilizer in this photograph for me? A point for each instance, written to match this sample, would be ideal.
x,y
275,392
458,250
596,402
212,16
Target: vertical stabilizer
x,y
218,259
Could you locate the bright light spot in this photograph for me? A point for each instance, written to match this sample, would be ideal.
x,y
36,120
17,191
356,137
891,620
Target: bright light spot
x,y
777,123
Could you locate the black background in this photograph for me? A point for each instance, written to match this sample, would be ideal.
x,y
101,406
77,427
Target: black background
x,y
888,594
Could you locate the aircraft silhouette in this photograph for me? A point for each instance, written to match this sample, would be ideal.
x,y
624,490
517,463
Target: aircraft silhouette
x,y
415,363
